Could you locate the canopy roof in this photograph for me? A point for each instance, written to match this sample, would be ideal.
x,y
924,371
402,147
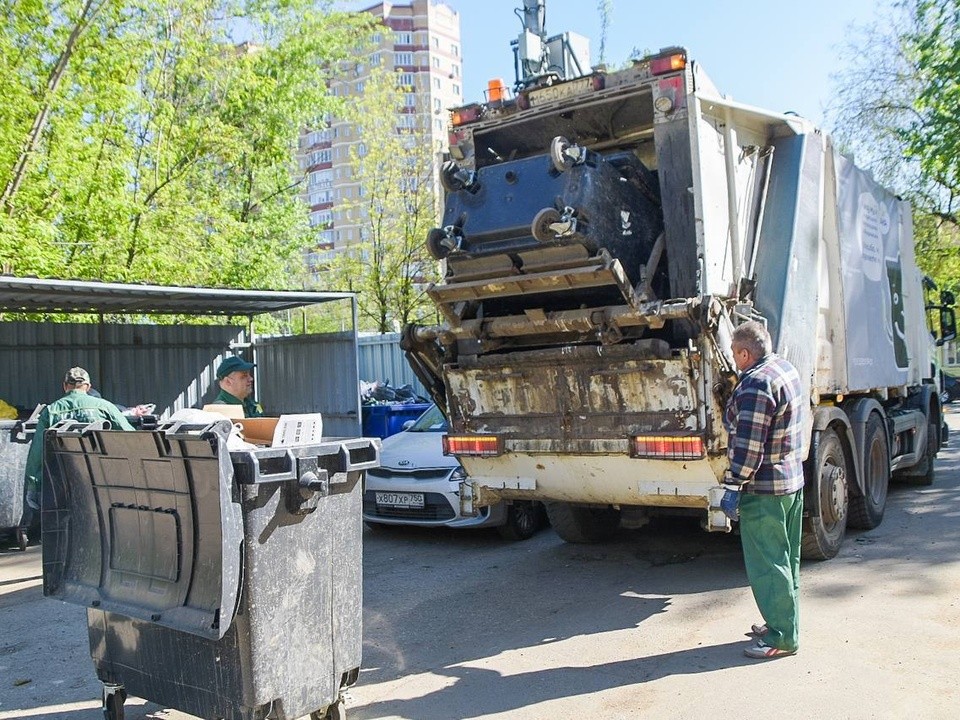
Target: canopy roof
x,y
34,295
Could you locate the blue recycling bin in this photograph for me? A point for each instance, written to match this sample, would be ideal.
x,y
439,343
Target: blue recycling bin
x,y
385,420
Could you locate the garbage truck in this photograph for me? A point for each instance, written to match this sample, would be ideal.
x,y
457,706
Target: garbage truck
x,y
602,236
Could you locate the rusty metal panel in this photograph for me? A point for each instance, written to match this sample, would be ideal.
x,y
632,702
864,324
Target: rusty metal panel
x,y
585,281
566,398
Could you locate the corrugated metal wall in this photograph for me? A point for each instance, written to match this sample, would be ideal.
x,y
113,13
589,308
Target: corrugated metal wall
x,y
381,359
311,373
171,366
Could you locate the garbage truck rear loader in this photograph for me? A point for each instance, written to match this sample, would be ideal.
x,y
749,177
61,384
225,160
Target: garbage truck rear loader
x,y
601,238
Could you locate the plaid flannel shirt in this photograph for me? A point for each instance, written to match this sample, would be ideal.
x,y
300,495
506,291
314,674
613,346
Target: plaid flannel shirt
x,y
764,419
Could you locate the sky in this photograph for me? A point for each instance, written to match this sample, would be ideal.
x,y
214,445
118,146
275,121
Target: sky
x,y
776,55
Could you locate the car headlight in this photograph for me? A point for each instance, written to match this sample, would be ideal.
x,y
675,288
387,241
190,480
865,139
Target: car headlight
x,y
458,475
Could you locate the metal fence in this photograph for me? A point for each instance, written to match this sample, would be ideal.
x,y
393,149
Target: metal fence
x,y
381,359
173,367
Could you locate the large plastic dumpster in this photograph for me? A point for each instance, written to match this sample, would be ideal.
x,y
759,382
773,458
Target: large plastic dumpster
x,y
13,462
226,584
382,421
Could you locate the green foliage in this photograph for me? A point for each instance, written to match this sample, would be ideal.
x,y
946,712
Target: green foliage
x,y
895,108
167,152
394,167
932,137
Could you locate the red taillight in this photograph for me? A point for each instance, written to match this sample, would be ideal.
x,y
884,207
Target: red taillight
x,y
464,115
668,63
668,447
472,445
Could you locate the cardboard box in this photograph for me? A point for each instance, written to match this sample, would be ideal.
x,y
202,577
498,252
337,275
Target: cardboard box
x,y
258,431
234,412
304,429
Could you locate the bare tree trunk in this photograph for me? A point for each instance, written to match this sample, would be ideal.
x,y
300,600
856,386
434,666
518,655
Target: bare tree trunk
x,y
89,12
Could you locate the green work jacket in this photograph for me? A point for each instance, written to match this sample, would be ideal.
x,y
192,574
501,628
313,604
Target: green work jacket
x,y
75,405
251,408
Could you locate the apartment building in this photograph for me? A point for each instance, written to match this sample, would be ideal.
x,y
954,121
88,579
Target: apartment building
x,y
421,40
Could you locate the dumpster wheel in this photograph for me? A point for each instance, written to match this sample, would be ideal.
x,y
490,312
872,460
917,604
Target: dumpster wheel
x,y
336,711
113,698
22,539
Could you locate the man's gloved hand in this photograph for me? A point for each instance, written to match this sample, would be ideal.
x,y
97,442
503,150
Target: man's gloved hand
x,y
730,503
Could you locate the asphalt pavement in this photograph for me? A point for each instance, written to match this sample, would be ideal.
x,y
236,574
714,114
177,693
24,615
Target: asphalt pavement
x,y
650,625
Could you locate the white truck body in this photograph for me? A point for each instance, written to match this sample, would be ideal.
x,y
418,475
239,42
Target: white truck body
x,y
762,218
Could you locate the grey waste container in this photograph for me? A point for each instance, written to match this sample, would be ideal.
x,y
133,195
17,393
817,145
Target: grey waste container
x,y
223,584
13,462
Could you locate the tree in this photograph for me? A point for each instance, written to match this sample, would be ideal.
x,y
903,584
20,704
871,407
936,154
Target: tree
x,y
605,10
167,149
895,110
932,136
76,27
393,167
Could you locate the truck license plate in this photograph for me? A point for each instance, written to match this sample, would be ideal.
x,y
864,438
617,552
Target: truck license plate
x,y
400,499
552,93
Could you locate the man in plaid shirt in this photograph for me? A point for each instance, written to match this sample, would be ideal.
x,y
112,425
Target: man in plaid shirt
x,y
764,485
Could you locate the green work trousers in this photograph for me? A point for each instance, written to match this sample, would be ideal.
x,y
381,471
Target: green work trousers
x,y
770,534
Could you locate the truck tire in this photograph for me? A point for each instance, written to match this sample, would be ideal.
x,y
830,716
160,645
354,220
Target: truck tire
x,y
925,472
826,475
866,510
581,524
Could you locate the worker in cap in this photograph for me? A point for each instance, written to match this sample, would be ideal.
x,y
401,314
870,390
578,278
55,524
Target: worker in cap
x,y
77,404
235,378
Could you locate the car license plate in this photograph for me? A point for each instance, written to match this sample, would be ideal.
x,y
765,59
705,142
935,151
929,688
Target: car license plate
x,y
400,499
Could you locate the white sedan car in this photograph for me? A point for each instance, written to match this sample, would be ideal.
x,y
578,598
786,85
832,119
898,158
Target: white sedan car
x,y
416,484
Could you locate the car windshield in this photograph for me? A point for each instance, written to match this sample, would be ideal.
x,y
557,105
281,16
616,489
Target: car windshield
x,y
431,421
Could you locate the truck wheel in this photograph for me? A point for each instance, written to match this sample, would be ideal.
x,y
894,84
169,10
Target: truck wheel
x,y
580,524
523,520
826,474
925,468
866,511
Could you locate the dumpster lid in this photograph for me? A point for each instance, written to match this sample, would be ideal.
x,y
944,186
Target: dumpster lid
x,y
143,524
